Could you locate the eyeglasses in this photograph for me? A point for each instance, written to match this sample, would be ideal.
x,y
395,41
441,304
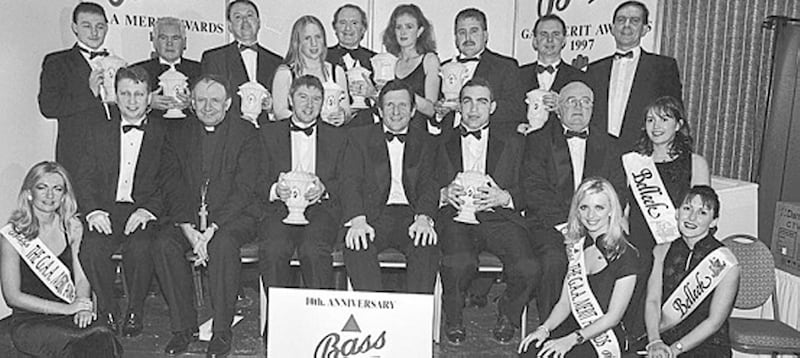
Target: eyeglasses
x,y
583,102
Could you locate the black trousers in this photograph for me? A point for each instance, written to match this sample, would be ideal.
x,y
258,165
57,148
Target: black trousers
x,y
461,244
548,247
313,242
95,256
391,231
174,274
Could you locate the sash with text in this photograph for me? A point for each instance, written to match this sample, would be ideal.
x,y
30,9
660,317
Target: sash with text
x,y
651,196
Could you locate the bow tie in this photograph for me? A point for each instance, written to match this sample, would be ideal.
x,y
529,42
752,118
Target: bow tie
x,y
465,60
307,131
127,127
243,47
399,136
93,54
620,55
466,133
572,134
542,69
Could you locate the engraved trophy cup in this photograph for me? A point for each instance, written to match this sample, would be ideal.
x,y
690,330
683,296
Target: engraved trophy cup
x,y
470,181
172,83
537,113
109,64
454,75
358,85
383,64
299,183
252,94
333,96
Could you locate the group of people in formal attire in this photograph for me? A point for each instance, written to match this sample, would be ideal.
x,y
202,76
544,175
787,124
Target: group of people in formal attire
x,y
566,203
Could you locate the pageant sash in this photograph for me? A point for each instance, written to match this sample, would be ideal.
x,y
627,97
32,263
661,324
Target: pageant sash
x,y
652,196
696,286
46,265
583,303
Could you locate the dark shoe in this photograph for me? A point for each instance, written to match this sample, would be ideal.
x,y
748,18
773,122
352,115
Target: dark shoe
x,y
456,334
477,301
111,323
220,345
132,326
179,343
503,331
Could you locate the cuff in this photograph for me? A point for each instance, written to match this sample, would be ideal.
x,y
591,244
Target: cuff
x,y
148,213
89,216
273,194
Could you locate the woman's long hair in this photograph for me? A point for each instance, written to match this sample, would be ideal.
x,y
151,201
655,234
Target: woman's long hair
x,y
425,42
293,56
613,243
667,106
23,219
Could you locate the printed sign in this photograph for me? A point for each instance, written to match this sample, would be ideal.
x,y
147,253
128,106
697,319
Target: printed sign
x,y
785,243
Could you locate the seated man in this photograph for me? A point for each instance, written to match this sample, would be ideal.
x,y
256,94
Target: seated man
x,y
215,213
389,194
501,229
306,144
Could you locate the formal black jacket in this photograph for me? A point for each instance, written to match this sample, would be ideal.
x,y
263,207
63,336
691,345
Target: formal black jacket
x,y
363,55
565,74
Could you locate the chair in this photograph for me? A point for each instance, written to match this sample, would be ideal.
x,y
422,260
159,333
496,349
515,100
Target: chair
x,y
756,285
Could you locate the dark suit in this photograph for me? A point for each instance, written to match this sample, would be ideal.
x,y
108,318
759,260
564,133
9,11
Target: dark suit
x,y
97,190
547,178
501,232
365,191
154,68
565,74
361,54
228,158
655,76
314,241
64,95
226,61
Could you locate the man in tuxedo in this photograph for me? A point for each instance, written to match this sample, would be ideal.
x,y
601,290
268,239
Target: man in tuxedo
x,y
307,144
350,24
389,194
218,159
471,35
243,60
70,89
500,229
119,188
626,82
557,158
169,42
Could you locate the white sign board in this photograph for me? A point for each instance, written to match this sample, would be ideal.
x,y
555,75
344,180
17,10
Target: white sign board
x,y
329,323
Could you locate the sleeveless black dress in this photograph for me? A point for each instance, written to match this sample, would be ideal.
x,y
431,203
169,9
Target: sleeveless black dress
x,y
55,335
416,80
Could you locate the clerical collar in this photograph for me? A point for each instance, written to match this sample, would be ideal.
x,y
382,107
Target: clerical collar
x,y
165,62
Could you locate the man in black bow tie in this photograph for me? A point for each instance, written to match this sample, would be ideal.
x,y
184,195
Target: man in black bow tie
x,y
243,60
304,143
119,184
557,158
389,195
350,24
626,82
69,87
496,153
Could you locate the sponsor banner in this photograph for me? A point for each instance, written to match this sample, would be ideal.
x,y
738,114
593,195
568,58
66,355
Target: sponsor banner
x,y
329,323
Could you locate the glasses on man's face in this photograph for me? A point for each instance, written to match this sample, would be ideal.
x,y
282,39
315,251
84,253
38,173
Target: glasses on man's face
x,y
583,102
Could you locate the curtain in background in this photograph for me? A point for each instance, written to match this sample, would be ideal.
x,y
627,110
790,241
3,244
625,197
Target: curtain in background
x,y
725,59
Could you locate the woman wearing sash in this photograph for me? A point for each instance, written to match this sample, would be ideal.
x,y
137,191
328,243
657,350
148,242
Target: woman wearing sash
x,y
306,56
693,284
601,275
41,276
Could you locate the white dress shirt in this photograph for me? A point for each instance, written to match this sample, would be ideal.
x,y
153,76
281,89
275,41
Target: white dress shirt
x,y
250,59
304,154
619,89
545,78
577,157
129,146
397,194
473,152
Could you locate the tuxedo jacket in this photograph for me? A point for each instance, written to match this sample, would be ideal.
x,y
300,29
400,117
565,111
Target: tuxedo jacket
x,y
655,76
362,54
99,170
504,154
276,146
154,69
64,95
565,74
226,61
367,172
232,172
547,176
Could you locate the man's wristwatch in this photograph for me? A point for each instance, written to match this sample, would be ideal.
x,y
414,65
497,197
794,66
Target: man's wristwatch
x,y
580,339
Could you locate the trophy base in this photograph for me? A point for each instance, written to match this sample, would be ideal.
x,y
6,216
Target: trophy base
x,y
466,219
359,103
451,103
174,114
295,220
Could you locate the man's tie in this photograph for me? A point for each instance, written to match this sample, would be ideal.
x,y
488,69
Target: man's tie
x,y
572,134
127,127
620,55
542,69
93,54
399,136
308,131
471,59
243,47
466,133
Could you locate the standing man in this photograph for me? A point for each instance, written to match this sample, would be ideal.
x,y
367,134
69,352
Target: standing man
x,y
169,42
549,72
471,34
303,143
119,188
218,159
243,60
70,88
389,194
501,229
350,24
626,82
557,159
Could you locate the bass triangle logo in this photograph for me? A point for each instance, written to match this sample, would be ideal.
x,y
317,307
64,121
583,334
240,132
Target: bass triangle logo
x,y
351,325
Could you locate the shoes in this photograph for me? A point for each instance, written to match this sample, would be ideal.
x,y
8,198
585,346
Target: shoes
x,y
456,334
220,344
477,301
179,343
132,326
504,330
111,323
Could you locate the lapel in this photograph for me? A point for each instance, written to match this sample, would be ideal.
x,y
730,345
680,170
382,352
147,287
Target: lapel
x,y
283,141
262,73
494,151
561,76
79,64
112,138
454,153
561,158
535,75
595,155
236,69
379,160
325,163
195,151
484,68
219,151
411,154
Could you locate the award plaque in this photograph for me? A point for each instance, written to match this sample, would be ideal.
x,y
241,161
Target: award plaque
x,y
172,83
299,183
470,181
